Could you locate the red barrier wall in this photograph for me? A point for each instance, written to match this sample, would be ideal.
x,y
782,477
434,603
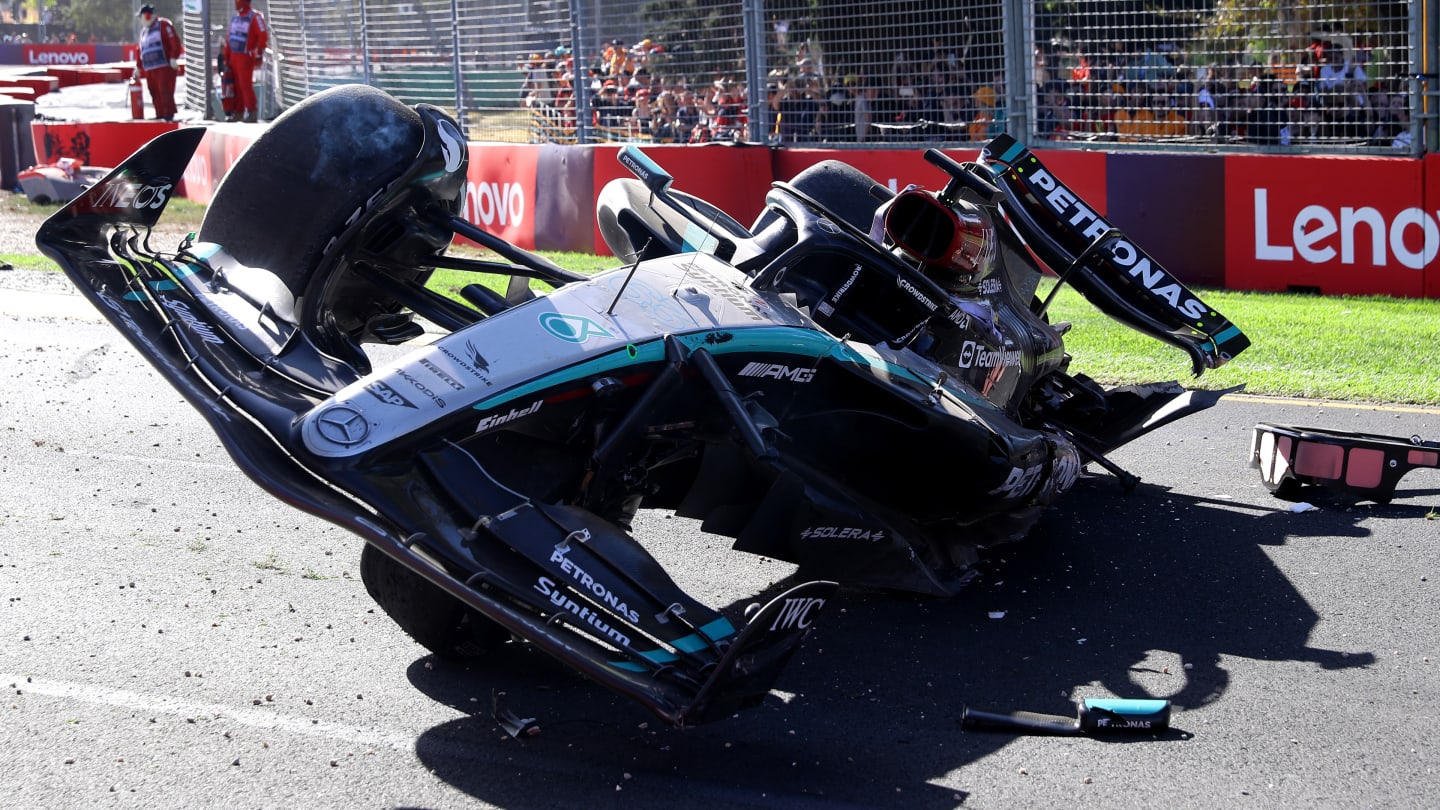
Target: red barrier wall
x,y
1083,172
502,189
733,178
1431,168
1339,225
1336,225
103,143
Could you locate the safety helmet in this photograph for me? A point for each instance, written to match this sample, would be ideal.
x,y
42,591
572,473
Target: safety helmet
x,y
954,242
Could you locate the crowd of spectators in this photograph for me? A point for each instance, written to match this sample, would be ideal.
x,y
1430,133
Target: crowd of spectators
x,y
627,101
1320,94
1324,93
630,98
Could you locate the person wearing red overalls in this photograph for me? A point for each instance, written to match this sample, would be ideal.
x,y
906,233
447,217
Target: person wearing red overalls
x,y
245,49
157,60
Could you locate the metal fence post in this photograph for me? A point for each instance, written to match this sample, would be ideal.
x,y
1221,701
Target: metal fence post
x,y
580,84
365,45
752,17
459,70
206,70
1425,79
1019,66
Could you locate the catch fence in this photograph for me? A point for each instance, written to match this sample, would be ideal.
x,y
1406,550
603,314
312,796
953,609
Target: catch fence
x,y
1247,75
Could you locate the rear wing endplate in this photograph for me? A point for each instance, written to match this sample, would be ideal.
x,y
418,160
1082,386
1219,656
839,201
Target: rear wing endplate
x,y
1104,265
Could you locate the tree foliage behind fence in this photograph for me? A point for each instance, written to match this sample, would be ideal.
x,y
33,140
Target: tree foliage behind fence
x,y
1305,76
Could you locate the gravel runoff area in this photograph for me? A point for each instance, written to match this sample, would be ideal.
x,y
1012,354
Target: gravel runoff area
x,y
17,237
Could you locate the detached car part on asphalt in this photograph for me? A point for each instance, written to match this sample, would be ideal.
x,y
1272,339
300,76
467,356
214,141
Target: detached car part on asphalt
x,y
1365,465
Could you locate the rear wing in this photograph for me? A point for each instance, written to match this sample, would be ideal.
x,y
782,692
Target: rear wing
x,y
1104,265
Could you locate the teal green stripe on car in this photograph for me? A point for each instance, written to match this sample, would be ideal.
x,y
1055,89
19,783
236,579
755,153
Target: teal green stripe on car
x,y
784,339
1226,334
163,285
717,630
714,631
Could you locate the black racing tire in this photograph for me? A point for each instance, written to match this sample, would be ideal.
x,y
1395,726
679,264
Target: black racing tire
x,y
303,178
436,620
844,190
300,184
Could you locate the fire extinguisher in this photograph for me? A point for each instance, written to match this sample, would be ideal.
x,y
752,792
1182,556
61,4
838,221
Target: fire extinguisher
x,y
137,98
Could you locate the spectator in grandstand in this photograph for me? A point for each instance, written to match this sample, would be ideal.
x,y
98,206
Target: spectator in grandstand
x,y
990,95
642,115
1265,122
666,110
1169,124
618,60
796,110
864,105
1205,122
929,89
611,113
1132,116
1392,122
725,107
687,114
836,116
989,119
158,60
1053,118
1340,91
640,54
538,88
1096,122
245,43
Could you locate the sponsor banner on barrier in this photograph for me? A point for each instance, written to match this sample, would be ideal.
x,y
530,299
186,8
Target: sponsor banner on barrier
x,y
564,221
46,55
1173,205
1339,225
1334,225
501,191
101,143
1083,172
1431,166
732,178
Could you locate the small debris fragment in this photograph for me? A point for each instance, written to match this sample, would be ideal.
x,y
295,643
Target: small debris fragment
x,y
997,614
1302,507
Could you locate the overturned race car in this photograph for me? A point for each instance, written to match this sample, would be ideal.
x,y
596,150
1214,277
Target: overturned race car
x,y
792,384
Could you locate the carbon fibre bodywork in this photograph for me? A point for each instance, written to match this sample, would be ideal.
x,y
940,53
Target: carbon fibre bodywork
x,y
775,392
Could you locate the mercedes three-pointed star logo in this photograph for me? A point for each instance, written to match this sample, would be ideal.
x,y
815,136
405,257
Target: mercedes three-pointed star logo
x,y
342,425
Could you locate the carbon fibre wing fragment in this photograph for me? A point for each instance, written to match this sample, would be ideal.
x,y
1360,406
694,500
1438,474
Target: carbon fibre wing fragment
x,y
1100,262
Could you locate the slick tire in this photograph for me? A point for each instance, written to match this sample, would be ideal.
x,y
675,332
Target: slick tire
x,y
843,189
434,618
298,186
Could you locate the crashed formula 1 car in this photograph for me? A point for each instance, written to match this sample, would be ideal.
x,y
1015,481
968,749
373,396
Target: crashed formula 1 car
x,y
863,383
60,181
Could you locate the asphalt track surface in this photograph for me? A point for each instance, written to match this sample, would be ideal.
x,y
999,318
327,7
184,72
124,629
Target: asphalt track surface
x,y
170,636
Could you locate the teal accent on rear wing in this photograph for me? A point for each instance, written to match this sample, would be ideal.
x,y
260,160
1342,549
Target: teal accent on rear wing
x,y
1102,263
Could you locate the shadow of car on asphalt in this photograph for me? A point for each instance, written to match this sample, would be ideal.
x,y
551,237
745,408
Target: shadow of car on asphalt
x,y
1146,604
